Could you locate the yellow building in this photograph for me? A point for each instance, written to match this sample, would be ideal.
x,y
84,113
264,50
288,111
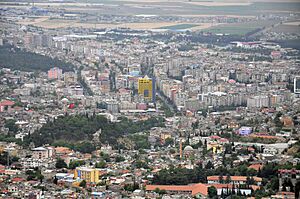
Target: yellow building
x,y
88,174
146,88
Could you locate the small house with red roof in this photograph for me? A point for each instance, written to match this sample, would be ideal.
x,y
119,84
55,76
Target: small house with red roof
x,y
6,105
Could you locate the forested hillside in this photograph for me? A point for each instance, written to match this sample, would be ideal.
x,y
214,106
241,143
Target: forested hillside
x,y
78,130
16,59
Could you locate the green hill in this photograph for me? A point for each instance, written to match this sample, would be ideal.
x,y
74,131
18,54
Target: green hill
x,y
77,131
17,59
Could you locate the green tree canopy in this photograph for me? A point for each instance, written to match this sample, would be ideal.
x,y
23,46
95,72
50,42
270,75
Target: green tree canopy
x,y
60,163
212,192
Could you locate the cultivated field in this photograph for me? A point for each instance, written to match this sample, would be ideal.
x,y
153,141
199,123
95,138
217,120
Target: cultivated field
x,y
46,22
286,29
240,28
169,7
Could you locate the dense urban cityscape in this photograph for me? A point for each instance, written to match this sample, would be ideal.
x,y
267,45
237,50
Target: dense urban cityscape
x,y
149,99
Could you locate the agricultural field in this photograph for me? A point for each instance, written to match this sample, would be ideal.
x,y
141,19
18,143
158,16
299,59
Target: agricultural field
x,y
51,23
169,7
239,28
287,27
179,26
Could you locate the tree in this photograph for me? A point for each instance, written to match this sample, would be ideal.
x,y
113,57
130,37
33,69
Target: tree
x,y
101,164
160,192
169,141
277,120
120,159
274,184
209,165
60,163
85,147
195,125
105,157
172,151
4,158
11,125
55,180
180,176
34,175
212,192
18,59
82,184
76,131
221,179
131,187
228,179
76,163
40,177
141,164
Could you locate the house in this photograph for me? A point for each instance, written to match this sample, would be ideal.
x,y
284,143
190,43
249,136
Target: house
x,y
6,105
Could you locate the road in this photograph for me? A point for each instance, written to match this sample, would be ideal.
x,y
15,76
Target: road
x,y
165,100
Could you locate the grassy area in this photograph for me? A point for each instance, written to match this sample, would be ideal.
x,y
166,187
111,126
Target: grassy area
x,y
230,30
286,29
178,27
239,28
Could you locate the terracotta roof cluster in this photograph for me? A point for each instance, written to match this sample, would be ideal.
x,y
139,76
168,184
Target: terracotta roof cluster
x,y
194,188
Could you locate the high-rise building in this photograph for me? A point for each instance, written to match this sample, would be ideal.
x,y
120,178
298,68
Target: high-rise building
x,y
258,101
55,73
146,88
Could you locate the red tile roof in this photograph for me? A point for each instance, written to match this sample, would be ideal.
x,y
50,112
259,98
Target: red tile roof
x,y
215,137
194,189
7,103
18,179
256,166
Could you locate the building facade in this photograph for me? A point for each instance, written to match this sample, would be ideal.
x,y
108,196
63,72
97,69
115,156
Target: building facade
x,y
146,88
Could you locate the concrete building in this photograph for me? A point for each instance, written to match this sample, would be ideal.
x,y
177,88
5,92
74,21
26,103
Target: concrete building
x,y
42,152
146,88
55,73
88,174
258,101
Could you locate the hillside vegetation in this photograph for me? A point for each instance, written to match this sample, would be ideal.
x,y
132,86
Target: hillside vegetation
x,y
77,131
17,59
